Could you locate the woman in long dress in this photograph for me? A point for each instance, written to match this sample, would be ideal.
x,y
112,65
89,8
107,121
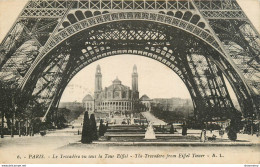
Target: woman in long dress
x,y
149,134
203,135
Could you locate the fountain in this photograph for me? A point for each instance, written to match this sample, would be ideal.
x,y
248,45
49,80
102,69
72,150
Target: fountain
x,y
149,134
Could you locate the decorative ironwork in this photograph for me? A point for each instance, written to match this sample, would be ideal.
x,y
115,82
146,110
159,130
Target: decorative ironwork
x,y
200,40
153,40
52,13
33,5
243,45
87,23
224,14
217,4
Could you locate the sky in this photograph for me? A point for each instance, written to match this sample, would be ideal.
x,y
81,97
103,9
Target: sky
x,y
155,79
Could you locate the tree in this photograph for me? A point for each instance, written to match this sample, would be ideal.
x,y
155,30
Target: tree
x,y
232,135
37,124
172,129
93,127
8,110
102,127
139,106
86,130
18,105
106,127
5,103
184,130
236,124
30,112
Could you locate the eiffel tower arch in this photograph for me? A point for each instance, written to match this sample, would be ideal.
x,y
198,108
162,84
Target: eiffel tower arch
x,y
202,41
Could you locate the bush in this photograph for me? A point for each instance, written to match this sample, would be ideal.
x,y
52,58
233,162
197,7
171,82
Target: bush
x,y
102,128
235,124
93,127
86,130
43,133
106,127
171,129
184,130
38,126
232,135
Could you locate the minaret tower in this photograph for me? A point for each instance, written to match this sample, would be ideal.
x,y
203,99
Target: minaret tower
x,y
98,81
135,83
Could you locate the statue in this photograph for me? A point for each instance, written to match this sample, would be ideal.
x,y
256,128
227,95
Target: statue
x,y
132,119
149,134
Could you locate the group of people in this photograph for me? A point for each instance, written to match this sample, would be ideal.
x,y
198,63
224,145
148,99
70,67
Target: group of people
x,y
203,135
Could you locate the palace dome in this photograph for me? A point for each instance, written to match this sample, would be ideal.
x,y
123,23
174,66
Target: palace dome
x,y
88,97
145,98
117,81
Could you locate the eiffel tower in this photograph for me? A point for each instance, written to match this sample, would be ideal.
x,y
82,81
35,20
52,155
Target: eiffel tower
x,y
205,42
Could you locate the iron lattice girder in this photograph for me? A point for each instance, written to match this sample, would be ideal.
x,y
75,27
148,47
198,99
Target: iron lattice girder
x,y
79,26
115,17
48,6
22,46
94,42
101,5
217,9
175,21
243,45
38,8
168,20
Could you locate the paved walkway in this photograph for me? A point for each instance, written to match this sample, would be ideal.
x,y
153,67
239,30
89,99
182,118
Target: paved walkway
x,y
240,137
151,118
74,129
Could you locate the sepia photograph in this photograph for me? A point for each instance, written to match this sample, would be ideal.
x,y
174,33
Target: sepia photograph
x,y
130,82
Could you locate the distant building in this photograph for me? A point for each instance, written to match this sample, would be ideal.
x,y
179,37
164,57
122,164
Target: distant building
x,y
169,104
146,101
116,97
120,98
88,102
